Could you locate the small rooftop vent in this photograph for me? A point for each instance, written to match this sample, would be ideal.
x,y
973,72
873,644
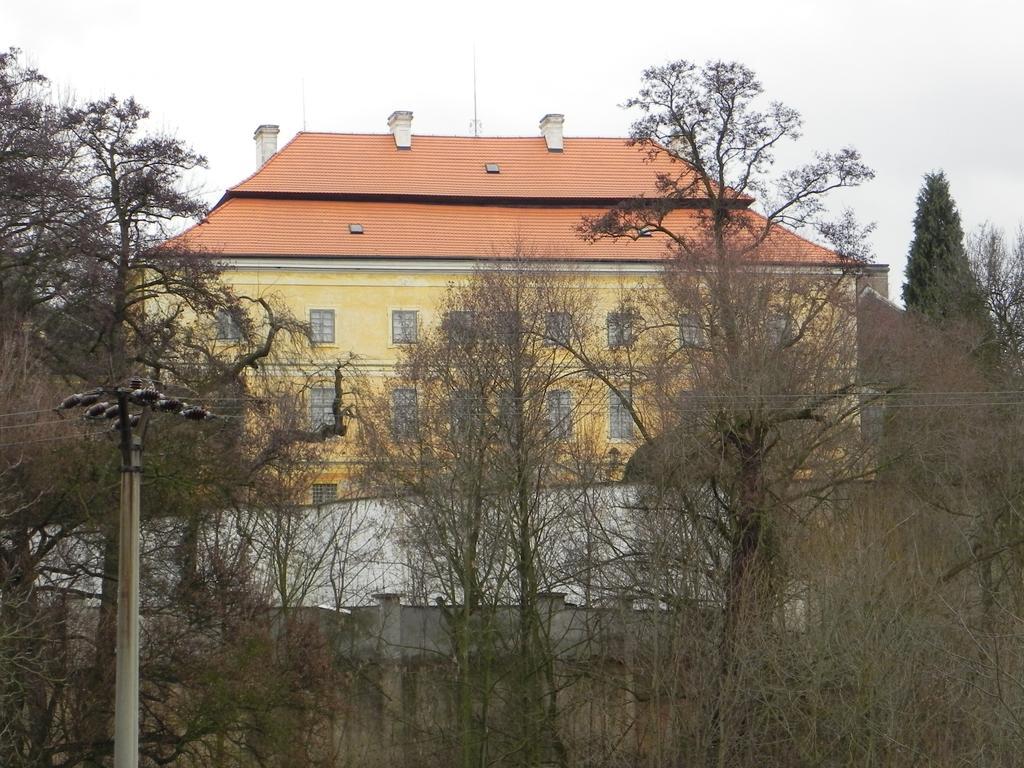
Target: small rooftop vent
x,y
355,229
492,168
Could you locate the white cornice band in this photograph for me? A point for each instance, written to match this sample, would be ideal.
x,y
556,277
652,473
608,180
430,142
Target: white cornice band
x,y
469,266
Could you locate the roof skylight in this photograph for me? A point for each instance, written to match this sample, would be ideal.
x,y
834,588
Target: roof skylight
x,y
492,168
355,229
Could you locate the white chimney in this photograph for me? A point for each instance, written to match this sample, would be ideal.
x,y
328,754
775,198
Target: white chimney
x,y
266,143
400,125
551,130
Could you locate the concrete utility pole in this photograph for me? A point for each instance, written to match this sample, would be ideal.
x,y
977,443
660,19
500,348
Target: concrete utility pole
x,y
145,395
126,697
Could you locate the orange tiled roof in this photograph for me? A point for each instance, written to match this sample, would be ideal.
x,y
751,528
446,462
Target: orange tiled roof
x,y
437,201
453,166
296,227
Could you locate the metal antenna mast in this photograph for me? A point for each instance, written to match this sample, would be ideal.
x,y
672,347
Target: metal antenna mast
x,y
303,84
476,125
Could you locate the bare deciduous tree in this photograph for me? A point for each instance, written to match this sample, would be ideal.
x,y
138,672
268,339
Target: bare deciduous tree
x,y
468,443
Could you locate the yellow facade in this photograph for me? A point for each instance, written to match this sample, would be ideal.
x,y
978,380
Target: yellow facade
x,y
363,295
367,225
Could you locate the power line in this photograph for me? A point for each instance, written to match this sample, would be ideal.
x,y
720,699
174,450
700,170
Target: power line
x,y
960,404
26,413
971,398
37,424
78,435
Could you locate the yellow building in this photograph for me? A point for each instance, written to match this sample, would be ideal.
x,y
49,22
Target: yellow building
x,y
363,234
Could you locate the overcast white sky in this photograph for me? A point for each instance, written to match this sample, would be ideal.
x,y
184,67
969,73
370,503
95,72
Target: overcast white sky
x,y
915,85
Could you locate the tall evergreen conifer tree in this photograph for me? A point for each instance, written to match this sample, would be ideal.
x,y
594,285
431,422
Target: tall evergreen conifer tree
x,y
939,280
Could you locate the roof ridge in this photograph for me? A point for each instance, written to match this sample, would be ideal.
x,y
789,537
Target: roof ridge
x,y
538,136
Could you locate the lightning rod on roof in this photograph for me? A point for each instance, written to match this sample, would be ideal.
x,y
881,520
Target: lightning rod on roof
x,y
302,84
475,125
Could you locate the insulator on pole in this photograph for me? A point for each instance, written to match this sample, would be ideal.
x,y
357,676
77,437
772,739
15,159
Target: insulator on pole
x,y
70,402
133,421
97,411
112,411
195,413
145,396
88,398
169,405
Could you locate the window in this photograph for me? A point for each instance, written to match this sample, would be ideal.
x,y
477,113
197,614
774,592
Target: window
x,y
691,332
227,326
620,329
460,325
557,327
508,328
403,413
872,416
321,407
779,329
404,326
492,168
509,412
620,424
560,413
466,409
324,493
321,325
355,229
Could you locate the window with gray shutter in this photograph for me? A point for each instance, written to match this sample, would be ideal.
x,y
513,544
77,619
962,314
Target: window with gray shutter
x,y
872,416
321,407
779,328
321,324
556,329
226,326
404,326
460,326
508,327
324,493
620,329
691,332
403,413
560,413
510,413
466,410
620,422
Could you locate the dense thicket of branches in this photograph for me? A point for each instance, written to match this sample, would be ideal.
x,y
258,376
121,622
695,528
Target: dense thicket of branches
x,y
90,295
789,513
881,605
802,545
